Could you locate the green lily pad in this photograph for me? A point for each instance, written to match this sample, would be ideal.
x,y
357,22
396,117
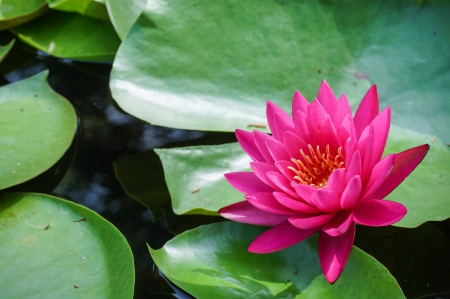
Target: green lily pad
x,y
83,38
61,250
89,8
215,74
194,176
201,169
212,261
5,49
37,128
124,13
16,12
421,270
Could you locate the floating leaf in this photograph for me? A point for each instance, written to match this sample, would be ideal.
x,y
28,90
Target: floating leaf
x,y
89,8
124,13
61,250
5,49
37,127
212,261
16,12
82,38
215,74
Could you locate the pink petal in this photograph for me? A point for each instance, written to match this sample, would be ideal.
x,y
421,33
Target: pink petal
x,y
326,200
260,169
271,109
334,252
365,147
299,102
265,201
351,193
339,224
281,125
247,142
329,132
337,181
247,182
317,113
295,204
319,140
304,126
279,237
260,141
354,168
244,212
326,97
283,168
341,110
307,222
378,212
293,144
377,176
404,164
367,110
349,126
381,123
304,191
277,150
281,182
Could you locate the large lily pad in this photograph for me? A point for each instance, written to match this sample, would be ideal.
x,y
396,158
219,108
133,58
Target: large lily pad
x,y
124,13
61,250
37,127
211,66
83,38
212,261
194,176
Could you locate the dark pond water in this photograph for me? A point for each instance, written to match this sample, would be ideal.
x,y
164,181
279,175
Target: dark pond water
x,y
86,175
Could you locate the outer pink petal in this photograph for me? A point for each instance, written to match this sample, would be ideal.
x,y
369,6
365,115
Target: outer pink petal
x,y
244,212
282,124
271,109
295,204
247,182
381,124
377,176
260,169
260,141
350,196
304,191
326,200
367,110
299,102
326,97
279,237
265,201
337,181
378,212
281,182
307,222
355,167
339,224
277,150
334,252
247,142
404,164
365,147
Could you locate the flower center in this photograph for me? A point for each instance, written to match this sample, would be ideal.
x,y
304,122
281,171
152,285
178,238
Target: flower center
x,y
316,168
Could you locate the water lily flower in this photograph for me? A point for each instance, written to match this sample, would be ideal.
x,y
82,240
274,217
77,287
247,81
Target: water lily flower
x,y
320,171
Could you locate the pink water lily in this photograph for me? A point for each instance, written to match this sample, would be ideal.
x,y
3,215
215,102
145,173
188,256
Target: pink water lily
x,y
321,171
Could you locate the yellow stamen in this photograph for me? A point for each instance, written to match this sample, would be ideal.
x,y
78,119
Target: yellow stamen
x,y
316,168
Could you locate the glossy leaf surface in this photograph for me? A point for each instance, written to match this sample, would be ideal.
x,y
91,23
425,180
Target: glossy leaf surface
x,y
124,13
37,128
215,74
61,250
82,38
90,8
212,261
